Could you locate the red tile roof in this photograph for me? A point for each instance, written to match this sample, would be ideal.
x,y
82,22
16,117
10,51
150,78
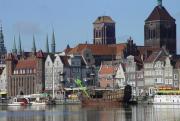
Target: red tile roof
x,y
100,49
40,54
107,69
26,64
160,13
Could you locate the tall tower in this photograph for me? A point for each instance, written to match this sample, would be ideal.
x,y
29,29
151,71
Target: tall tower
x,y
160,29
2,47
104,31
14,50
53,44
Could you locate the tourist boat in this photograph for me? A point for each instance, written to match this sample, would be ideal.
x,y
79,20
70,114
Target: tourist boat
x,y
103,97
36,99
16,101
171,97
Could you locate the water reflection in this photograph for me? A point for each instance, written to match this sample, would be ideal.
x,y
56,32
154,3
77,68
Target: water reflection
x,y
77,113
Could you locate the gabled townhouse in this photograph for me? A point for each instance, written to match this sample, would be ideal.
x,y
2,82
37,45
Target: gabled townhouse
x,y
111,75
134,73
65,70
159,72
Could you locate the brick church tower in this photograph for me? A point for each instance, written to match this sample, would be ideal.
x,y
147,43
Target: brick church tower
x,y
160,29
104,31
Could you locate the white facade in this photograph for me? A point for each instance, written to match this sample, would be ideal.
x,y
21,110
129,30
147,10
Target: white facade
x,y
66,70
120,76
3,79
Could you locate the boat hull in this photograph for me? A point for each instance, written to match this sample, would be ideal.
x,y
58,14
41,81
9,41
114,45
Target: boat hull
x,y
167,99
100,103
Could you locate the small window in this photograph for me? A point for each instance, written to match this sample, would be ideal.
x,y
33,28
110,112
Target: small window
x,y
87,54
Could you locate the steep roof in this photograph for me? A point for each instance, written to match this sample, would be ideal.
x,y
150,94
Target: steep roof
x,y
99,49
26,64
160,13
104,19
64,60
159,55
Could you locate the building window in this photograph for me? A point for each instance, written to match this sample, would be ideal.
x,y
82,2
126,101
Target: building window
x,y
170,81
30,71
87,55
175,77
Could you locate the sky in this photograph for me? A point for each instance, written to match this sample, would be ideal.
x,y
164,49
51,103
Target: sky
x,y
72,20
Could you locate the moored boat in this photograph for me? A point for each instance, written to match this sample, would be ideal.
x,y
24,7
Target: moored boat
x,y
16,101
103,97
169,97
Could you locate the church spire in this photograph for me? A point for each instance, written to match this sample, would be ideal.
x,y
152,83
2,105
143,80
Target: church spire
x,y
34,45
2,47
53,44
47,44
1,35
159,2
19,46
14,50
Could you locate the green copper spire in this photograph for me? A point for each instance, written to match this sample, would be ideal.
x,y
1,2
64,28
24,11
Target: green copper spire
x,y
159,2
34,45
53,44
19,47
14,50
47,44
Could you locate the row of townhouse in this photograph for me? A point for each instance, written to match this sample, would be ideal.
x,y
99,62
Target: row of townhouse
x,y
63,70
159,70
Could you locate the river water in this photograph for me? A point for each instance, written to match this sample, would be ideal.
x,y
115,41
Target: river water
x,y
78,113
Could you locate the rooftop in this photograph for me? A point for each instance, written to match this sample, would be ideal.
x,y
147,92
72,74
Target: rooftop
x,y
104,19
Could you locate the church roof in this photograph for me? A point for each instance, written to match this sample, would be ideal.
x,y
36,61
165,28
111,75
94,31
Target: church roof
x,y
160,13
26,64
104,19
100,50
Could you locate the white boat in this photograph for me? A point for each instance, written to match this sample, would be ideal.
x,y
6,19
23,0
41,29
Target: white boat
x,y
19,102
35,99
167,99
